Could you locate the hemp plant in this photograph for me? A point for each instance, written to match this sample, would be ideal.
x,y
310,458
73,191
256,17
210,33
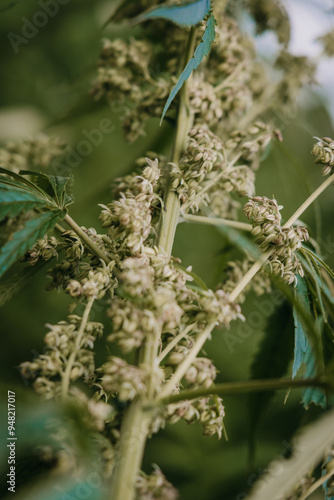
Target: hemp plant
x,y
219,100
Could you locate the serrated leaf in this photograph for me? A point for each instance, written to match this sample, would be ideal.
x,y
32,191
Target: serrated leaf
x,y
186,15
301,340
54,186
25,238
14,284
271,361
202,50
14,201
21,181
312,394
318,259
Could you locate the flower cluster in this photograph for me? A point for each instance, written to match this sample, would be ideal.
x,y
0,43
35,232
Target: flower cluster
x,y
129,217
123,75
207,411
49,370
95,283
281,242
123,379
323,151
35,153
44,249
155,486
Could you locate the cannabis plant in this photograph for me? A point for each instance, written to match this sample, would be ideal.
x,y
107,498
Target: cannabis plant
x,y
191,66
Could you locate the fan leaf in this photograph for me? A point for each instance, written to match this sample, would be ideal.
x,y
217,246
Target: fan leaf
x,y
25,238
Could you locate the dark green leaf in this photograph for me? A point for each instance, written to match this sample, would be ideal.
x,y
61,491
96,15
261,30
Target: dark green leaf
x,y
301,340
14,284
271,361
22,181
14,200
312,394
54,186
319,260
202,50
25,238
184,15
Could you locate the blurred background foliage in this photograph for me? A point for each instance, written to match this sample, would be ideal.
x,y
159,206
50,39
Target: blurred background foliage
x,y
45,88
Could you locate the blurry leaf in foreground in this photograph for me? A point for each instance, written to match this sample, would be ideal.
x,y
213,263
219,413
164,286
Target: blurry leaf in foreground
x,y
184,15
308,450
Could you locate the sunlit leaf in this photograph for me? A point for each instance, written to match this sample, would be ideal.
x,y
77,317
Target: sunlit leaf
x,y
185,15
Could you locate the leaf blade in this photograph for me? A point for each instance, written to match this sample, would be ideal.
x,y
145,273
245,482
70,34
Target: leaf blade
x,y
186,16
202,50
24,239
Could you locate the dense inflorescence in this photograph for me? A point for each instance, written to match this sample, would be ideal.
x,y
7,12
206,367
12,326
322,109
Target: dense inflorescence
x,y
280,242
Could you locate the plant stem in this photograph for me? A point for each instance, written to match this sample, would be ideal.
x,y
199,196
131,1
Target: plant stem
x,y
86,239
186,363
318,483
135,426
213,221
66,377
170,217
263,259
242,388
174,342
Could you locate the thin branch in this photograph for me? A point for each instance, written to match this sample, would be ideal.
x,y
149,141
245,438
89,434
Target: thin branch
x,y
318,483
174,342
263,259
213,221
244,388
86,239
186,363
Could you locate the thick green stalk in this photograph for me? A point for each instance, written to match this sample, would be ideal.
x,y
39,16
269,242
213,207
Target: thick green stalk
x,y
135,426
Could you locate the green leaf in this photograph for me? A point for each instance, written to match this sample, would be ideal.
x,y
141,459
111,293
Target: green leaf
x,y
312,394
318,259
15,283
54,186
301,341
271,361
202,50
21,181
185,15
14,200
25,238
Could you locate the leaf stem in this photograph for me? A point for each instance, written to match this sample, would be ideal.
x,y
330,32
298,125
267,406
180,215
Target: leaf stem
x,y
318,483
66,377
242,388
263,259
213,221
86,239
